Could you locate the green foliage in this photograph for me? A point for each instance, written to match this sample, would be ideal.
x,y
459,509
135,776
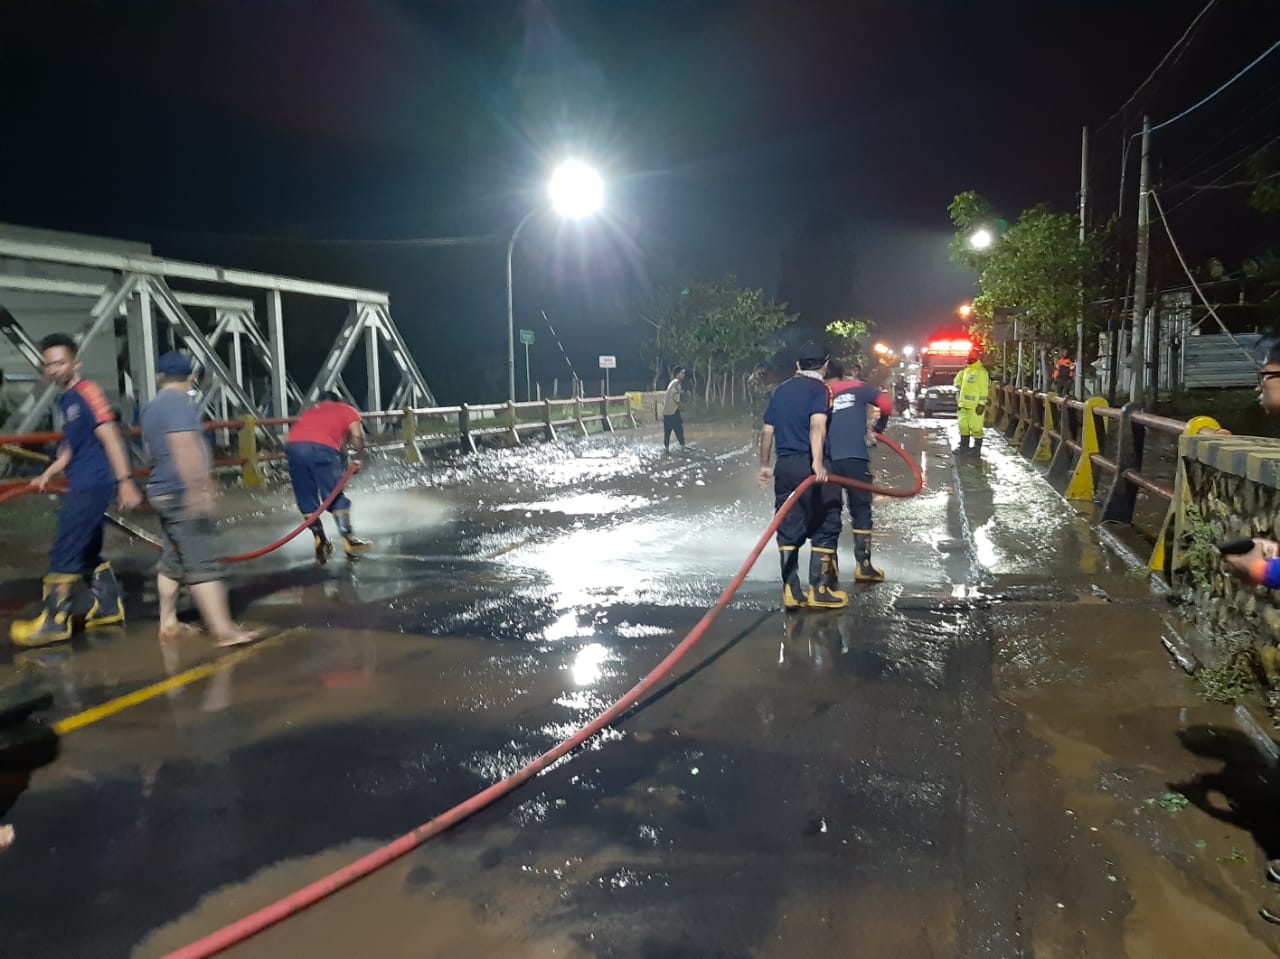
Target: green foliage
x,y
848,340
1201,555
696,322
1037,266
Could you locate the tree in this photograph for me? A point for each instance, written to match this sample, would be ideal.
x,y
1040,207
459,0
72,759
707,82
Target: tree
x,y
1037,266
848,340
711,328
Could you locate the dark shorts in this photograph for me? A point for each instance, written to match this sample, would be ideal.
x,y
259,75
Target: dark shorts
x,y
190,548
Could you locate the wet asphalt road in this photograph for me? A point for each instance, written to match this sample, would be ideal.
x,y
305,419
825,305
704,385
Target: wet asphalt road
x,y
959,764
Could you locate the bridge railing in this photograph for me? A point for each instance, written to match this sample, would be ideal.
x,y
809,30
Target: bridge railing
x,y
410,428
1075,436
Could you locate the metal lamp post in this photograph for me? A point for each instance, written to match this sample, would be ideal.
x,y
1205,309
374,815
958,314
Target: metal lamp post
x,y
576,191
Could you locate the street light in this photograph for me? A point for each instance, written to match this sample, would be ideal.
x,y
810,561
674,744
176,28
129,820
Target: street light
x,y
981,238
575,191
965,310
880,348
908,350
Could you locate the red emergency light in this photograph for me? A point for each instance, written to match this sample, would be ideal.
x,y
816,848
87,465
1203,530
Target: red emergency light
x,y
950,346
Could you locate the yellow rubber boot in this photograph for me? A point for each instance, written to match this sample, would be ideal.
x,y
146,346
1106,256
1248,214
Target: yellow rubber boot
x,y
53,625
823,573
108,599
793,596
351,544
864,572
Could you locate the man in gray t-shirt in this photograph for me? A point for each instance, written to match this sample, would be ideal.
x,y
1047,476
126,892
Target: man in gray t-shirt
x,y
181,491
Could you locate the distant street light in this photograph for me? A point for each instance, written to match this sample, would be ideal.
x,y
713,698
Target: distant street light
x,y
965,310
881,348
981,239
908,350
575,191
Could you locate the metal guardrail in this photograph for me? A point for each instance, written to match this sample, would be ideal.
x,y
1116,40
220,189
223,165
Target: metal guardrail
x,y
465,422
1066,432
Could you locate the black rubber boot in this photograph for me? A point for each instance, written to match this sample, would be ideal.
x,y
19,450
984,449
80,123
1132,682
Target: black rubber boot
x,y
108,599
864,572
822,570
963,448
793,596
351,544
977,446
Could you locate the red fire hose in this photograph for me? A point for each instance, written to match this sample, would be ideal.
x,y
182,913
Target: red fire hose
x,y
254,923
60,487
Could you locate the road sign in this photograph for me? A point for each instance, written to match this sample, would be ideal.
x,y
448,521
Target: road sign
x,y
526,337
608,362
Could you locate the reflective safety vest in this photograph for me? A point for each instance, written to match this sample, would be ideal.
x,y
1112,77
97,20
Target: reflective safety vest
x,y
974,385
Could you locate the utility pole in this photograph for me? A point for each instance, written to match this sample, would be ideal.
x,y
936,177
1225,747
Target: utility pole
x,y
1138,366
1084,195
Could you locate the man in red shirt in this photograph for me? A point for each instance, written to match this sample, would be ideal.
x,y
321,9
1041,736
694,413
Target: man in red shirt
x,y
315,466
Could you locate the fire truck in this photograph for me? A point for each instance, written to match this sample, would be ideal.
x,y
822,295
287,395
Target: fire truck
x,y
944,356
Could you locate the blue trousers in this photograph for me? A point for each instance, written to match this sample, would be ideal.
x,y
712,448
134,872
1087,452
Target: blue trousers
x,y
315,470
77,542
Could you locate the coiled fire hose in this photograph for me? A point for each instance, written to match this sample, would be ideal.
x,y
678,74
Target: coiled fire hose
x,y
277,911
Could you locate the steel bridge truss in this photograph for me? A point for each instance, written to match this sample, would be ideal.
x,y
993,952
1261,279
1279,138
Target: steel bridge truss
x,y
140,290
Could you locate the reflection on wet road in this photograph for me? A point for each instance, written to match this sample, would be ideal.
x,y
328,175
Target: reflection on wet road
x,y
957,765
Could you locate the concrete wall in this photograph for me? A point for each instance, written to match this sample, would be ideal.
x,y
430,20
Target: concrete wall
x,y
1232,484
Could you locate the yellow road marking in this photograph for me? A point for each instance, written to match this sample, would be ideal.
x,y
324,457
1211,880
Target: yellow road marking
x,y
118,705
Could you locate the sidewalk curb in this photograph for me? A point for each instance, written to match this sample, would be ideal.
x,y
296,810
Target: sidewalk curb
x,y
1184,647
1257,732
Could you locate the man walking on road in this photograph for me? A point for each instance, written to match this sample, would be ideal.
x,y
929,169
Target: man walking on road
x,y
671,419
975,386
315,467
796,423
93,455
182,491
850,437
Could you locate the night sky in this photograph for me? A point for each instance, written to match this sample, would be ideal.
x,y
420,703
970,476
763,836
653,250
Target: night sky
x,y
730,133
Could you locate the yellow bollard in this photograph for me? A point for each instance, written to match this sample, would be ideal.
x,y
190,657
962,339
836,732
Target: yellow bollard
x,y
1081,483
1163,559
1044,448
249,473
409,431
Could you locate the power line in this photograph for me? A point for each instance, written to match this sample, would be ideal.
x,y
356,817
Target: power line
x,y
1254,110
1238,184
1178,43
1196,286
1196,106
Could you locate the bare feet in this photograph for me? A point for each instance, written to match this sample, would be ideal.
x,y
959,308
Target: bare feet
x,y
178,631
238,637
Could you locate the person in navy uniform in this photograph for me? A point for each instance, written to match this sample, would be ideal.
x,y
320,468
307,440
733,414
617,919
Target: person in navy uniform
x,y
795,423
849,438
92,454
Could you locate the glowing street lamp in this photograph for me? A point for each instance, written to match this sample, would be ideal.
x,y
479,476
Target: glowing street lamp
x,y
576,191
881,348
981,239
965,310
908,350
